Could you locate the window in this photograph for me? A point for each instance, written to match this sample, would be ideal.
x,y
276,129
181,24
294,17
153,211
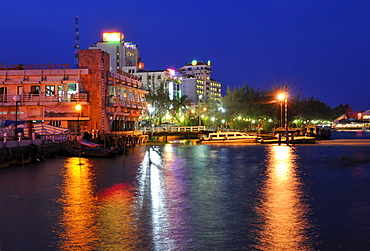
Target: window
x,y
49,90
72,87
35,89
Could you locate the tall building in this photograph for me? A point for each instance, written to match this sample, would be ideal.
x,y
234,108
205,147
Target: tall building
x,y
124,55
166,79
196,82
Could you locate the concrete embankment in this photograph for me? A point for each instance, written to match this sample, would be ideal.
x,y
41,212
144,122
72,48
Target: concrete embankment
x,y
30,154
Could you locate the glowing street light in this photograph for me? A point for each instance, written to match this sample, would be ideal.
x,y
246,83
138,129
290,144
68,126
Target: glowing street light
x,y
283,97
78,108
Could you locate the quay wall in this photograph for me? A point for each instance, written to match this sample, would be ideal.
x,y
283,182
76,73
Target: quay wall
x,y
30,154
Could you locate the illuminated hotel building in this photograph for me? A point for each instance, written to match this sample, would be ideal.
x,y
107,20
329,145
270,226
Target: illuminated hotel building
x,y
196,82
124,56
111,102
166,79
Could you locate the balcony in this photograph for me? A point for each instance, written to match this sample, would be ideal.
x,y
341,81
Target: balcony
x,y
42,99
114,101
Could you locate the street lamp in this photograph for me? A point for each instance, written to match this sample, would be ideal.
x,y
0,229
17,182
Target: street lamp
x,y
199,120
283,97
16,98
78,108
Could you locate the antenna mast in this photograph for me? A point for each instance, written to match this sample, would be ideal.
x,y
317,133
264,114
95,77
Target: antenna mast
x,y
77,45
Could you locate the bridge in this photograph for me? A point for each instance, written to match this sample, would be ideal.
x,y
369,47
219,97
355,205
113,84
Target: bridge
x,y
173,129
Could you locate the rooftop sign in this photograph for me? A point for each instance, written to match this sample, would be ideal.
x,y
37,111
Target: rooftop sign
x,y
115,36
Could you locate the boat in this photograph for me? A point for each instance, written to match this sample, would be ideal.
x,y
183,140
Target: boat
x,y
319,131
228,137
295,140
91,150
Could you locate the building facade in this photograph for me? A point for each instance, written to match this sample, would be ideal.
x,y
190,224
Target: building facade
x,y
166,79
110,102
196,82
124,56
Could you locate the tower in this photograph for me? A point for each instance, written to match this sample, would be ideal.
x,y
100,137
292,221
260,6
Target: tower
x,y
77,44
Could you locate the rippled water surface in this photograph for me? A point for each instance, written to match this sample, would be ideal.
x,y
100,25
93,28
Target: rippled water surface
x,y
192,197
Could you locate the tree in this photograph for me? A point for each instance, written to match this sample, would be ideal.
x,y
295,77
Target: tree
x,y
247,102
313,108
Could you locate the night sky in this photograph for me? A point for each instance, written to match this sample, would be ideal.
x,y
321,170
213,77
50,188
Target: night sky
x,y
318,48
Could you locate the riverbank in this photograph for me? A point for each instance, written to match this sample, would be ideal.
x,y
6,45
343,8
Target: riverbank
x,y
30,154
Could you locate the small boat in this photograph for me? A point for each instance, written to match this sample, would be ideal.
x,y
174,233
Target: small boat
x,y
91,150
228,137
319,131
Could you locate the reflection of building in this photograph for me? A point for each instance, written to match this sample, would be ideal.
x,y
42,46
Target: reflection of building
x,y
110,101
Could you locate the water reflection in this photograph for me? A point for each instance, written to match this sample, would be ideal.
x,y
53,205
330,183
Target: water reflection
x,y
117,219
160,192
78,216
282,211
91,220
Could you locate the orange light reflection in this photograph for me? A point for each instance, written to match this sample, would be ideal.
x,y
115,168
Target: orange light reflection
x,y
78,218
282,211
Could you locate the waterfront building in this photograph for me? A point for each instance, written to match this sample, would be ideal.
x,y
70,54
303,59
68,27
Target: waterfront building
x,y
110,102
166,79
359,122
124,55
197,84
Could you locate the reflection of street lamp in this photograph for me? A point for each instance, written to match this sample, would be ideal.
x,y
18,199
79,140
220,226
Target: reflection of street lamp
x,y
16,98
78,108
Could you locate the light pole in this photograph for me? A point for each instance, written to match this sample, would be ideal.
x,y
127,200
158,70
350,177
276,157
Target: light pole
x,y
199,120
78,108
16,98
283,97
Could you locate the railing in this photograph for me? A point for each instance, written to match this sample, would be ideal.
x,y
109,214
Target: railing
x,y
31,97
147,130
40,139
127,102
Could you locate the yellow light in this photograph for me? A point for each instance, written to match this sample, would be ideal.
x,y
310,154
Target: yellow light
x,y
281,96
112,36
78,107
194,62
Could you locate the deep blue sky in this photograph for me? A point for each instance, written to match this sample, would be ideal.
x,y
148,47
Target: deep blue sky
x,y
318,48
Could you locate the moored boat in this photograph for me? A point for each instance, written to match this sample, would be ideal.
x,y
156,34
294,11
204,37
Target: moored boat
x,y
294,140
228,137
91,150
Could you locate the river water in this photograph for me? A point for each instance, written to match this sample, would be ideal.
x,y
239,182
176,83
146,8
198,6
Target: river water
x,y
193,197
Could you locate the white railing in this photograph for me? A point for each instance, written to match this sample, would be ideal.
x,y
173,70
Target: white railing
x,y
40,139
31,97
147,130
